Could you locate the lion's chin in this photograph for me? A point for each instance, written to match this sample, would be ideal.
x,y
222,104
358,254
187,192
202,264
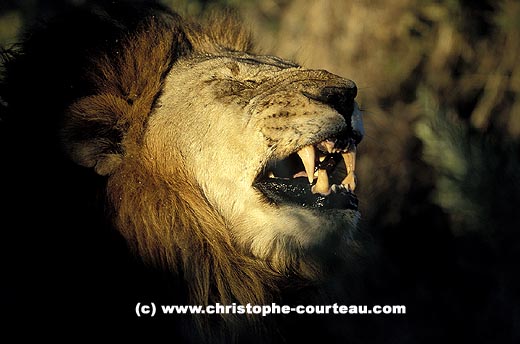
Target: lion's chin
x,y
291,229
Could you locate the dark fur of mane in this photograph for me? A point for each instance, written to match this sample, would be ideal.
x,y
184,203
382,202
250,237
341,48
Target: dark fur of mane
x,y
168,223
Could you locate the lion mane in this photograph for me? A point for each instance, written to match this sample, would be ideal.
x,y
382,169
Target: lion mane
x,y
99,87
126,89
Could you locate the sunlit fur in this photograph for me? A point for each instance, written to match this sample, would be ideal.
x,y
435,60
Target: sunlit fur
x,y
180,119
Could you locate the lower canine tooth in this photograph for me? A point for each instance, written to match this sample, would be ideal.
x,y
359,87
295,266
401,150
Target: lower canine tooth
x,y
350,181
322,184
350,163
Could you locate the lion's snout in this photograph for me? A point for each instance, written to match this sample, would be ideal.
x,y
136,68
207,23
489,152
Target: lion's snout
x,y
341,98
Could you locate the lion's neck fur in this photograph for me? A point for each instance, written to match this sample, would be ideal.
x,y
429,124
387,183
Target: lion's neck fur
x,y
172,230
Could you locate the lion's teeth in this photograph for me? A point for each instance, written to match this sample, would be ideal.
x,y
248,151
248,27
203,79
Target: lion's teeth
x,y
308,156
350,181
337,188
322,184
350,162
329,145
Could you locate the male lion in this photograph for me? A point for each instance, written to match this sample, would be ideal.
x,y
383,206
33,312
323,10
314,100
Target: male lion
x,y
234,171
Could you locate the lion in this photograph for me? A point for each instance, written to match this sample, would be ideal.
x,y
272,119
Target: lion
x,y
231,170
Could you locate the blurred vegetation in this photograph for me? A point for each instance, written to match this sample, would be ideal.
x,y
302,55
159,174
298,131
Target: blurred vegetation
x,y
10,24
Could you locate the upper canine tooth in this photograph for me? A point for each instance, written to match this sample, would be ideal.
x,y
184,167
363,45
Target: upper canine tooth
x,y
350,163
308,156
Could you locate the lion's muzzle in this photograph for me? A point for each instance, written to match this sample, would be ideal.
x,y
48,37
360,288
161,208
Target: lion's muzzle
x,y
320,172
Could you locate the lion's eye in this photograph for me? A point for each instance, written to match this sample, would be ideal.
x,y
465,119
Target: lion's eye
x,y
233,68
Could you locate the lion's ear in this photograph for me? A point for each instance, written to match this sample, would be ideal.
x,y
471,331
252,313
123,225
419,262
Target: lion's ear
x,y
93,130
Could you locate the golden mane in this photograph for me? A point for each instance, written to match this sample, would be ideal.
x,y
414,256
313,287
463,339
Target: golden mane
x,y
168,223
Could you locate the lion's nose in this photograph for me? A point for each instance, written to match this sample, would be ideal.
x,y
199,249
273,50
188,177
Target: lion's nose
x,y
341,99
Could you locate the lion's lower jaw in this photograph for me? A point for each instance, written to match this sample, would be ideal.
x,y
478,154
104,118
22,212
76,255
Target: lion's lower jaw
x,y
242,254
298,241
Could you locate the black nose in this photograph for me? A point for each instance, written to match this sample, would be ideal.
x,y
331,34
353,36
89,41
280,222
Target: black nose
x,y
340,98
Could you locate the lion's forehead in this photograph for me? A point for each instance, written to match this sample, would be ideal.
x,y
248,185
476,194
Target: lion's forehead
x,y
240,94
239,79
240,68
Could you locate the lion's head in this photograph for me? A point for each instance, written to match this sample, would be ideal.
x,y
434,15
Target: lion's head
x,y
234,169
258,135
265,139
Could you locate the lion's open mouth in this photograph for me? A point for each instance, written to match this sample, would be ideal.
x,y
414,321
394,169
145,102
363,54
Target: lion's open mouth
x,y
312,178
320,175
